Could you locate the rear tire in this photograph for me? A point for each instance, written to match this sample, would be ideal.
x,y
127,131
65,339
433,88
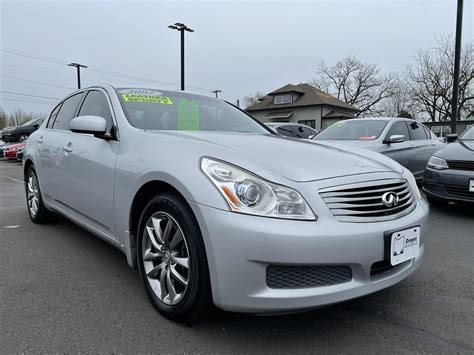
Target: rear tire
x,y
22,137
34,200
172,259
437,202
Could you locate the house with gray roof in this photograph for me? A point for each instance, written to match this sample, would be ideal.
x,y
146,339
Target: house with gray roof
x,y
301,103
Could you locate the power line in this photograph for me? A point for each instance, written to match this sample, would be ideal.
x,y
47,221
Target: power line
x,y
22,94
45,72
94,69
26,101
35,82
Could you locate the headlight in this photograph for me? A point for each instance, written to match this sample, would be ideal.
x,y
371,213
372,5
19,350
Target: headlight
x,y
437,163
412,181
247,193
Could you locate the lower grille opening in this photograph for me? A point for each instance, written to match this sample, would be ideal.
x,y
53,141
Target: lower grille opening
x,y
384,266
288,277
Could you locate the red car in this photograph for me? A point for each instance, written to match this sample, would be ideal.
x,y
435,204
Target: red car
x,y
10,152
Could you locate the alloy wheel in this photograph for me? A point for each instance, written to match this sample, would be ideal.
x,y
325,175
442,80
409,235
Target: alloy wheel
x,y
33,194
166,258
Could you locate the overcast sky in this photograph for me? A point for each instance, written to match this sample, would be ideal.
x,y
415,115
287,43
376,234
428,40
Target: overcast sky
x,y
237,47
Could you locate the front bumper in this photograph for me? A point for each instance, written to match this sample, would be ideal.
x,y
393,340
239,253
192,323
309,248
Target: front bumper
x,y
448,184
8,138
240,247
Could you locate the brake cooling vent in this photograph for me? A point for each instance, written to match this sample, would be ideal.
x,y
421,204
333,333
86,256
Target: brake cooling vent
x,y
283,276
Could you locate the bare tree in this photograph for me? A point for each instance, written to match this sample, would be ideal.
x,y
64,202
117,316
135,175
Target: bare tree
x,y
399,103
3,118
359,84
431,80
18,117
251,99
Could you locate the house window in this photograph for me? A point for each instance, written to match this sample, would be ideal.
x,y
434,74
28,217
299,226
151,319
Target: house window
x,y
283,99
311,123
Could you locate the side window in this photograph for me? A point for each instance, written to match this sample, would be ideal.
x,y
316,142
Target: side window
x,y
96,104
67,112
416,130
428,133
285,131
301,132
53,115
398,128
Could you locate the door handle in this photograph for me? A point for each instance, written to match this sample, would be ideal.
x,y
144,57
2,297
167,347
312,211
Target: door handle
x,y
67,148
40,139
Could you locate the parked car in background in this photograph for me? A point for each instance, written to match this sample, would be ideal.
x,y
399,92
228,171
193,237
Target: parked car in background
x,y
19,154
11,150
3,146
449,175
296,130
404,140
21,133
213,207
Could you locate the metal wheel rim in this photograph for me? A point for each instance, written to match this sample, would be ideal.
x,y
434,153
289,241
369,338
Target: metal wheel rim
x,y
165,256
23,138
32,194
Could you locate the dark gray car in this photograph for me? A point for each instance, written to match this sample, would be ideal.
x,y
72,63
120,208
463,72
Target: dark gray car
x,y
449,174
404,140
296,130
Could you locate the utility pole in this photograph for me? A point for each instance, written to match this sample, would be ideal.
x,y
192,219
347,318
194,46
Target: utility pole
x,y
181,27
216,92
78,67
457,59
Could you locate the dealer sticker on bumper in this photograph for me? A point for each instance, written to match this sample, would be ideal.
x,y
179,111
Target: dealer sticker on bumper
x,y
405,245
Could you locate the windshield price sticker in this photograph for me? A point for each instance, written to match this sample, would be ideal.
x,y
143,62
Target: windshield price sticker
x,y
188,115
147,98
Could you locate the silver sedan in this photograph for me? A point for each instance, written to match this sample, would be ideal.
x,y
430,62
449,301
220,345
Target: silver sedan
x,y
404,140
213,208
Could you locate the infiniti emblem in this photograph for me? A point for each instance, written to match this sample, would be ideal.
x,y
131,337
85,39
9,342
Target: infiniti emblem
x,y
390,199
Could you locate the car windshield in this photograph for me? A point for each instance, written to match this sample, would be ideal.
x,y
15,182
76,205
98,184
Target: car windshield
x,y
366,130
468,135
30,122
169,110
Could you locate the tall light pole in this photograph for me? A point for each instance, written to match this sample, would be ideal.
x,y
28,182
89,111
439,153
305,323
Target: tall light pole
x,y
78,67
181,27
216,92
457,58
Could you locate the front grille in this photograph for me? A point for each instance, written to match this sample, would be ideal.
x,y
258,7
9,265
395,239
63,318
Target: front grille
x,y
283,276
460,191
461,165
362,202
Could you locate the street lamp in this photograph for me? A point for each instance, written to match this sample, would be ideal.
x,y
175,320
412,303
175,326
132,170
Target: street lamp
x,y
216,92
181,27
78,67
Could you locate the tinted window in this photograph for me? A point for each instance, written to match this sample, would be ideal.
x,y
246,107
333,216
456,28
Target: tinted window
x,y
302,131
67,112
96,104
285,131
365,130
417,131
398,128
53,115
170,110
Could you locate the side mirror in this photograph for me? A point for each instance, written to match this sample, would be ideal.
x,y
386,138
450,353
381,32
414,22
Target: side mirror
x,y
451,138
89,124
396,138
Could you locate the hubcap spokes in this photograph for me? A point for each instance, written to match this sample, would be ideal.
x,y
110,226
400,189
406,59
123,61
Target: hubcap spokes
x,y
166,258
32,195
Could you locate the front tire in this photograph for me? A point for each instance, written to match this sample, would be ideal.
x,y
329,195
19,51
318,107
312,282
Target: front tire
x,y
22,137
36,209
172,259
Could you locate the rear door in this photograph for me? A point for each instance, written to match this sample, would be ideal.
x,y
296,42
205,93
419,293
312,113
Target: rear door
x,y
53,150
90,166
400,152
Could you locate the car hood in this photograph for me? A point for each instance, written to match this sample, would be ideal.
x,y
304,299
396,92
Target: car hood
x,y
295,159
459,150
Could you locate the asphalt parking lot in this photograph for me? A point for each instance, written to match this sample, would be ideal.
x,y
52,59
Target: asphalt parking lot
x,y
64,290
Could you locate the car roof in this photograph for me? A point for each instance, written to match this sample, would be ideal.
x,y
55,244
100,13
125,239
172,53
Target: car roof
x,y
382,118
